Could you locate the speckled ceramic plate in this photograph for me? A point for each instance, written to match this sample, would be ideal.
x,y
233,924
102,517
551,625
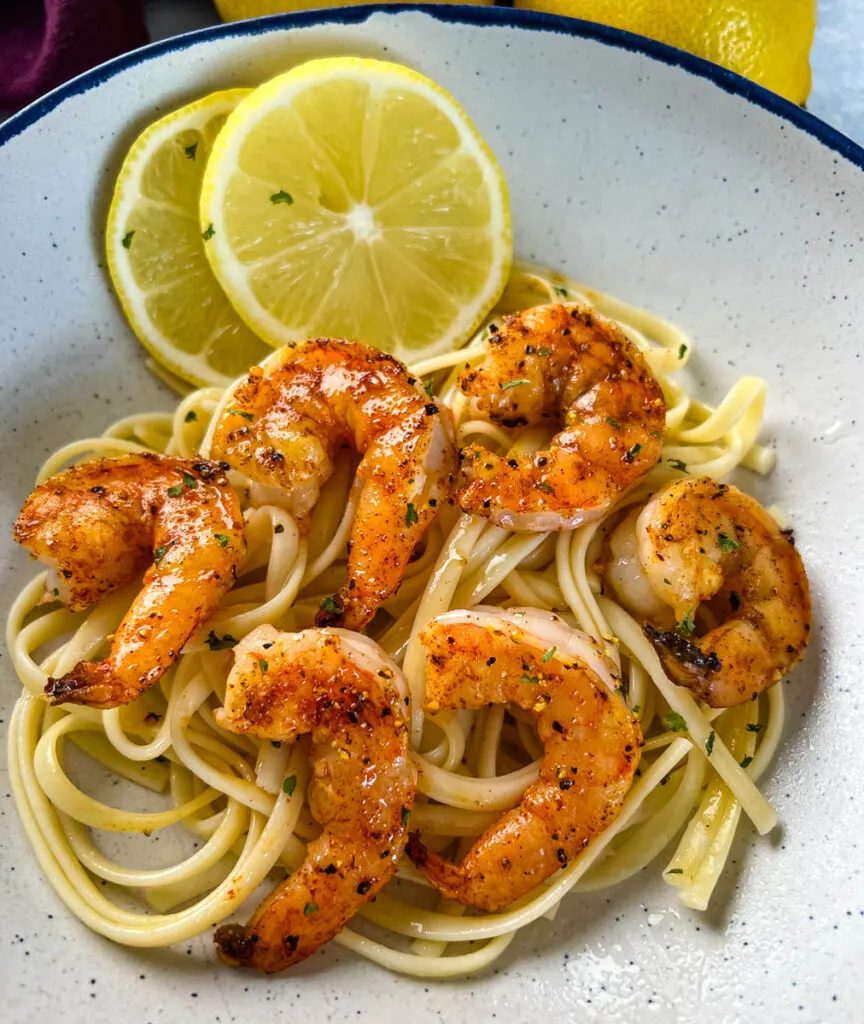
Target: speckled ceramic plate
x,y
648,173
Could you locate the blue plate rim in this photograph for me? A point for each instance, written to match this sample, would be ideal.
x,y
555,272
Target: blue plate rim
x,y
729,81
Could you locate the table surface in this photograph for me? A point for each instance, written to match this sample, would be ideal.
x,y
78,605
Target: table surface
x,y
837,59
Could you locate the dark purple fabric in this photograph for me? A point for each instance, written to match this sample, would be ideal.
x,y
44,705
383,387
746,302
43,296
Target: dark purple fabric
x,y
46,42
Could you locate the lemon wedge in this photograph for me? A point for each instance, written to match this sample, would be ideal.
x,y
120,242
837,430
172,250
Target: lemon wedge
x,y
156,253
354,198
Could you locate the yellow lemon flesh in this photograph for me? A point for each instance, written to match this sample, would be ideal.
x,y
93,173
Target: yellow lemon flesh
x,y
768,41
354,198
156,253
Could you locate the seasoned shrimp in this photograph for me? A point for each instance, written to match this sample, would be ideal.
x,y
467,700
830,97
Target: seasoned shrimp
x,y
345,691
707,545
99,524
592,743
284,423
564,365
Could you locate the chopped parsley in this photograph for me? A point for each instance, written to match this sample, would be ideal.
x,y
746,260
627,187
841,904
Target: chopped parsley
x,y
673,721
529,679
755,727
686,627
406,814
682,351
289,785
411,516
190,416
514,383
748,760
709,743
546,487
677,464
191,151
427,387
636,709
209,233
240,412
262,664
221,643
127,239
189,481
175,491
544,351
560,291
222,538
329,605
549,655
613,423
275,743
310,908
675,871
159,553
282,197
728,543
635,450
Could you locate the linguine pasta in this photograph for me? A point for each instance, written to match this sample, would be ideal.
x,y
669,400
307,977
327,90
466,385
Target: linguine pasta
x,y
699,766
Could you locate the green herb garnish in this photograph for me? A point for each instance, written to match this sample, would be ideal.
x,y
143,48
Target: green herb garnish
x,y
675,871
686,627
262,664
635,450
176,490
221,643
682,351
240,412
709,743
544,351
748,760
673,722
613,423
546,487
289,785
127,239
529,679
310,908
329,605
209,233
190,416
223,539
549,655
191,151
677,464
427,387
159,553
514,383
411,516
406,814
282,197
755,727
728,543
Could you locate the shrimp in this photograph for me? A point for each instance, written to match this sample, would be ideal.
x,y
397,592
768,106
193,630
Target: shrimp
x,y
99,524
283,424
592,744
344,690
705,545
562,365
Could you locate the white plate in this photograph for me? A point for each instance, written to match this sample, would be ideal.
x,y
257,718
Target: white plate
x,y
645,172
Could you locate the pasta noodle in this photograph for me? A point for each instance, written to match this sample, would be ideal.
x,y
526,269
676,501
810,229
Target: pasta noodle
x,y
225,790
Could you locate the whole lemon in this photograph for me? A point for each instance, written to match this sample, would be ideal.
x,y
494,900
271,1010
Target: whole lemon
x,y
766,40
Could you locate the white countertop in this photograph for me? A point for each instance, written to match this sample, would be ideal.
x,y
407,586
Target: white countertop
x,y
837,59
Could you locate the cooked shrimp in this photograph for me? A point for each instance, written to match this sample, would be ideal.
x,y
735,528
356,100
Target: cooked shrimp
x,y
707,545
562,365
344,690
286,420
592,742
99,524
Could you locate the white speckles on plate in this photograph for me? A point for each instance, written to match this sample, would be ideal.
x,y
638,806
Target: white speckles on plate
x,y
642,178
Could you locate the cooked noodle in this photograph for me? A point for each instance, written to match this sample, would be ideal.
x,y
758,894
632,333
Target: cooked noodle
x,y
226,789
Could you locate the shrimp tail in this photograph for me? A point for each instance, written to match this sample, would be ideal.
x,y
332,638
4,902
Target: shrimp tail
x,y
685,660
91,683
448,878
236,944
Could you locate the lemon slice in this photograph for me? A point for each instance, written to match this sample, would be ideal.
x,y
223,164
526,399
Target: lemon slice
x,y
354,198
156,253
